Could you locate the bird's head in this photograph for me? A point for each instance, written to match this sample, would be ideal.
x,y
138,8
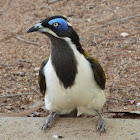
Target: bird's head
x,y
57,26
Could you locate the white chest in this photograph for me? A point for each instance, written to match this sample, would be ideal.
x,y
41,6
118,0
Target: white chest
x,y
85,93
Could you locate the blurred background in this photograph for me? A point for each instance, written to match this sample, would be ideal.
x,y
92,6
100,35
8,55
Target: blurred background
x,y
109,30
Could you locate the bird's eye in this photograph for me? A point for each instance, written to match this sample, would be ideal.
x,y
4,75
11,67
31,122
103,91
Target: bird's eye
x,y
55,24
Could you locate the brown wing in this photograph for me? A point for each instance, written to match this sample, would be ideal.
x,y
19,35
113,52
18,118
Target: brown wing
x,y
41,79
98,71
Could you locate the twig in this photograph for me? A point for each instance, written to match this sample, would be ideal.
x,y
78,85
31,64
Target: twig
x,y
14,95
52,1
2,64
95,42
29,42
51,10
35,19
25,61
114,11
36,90
22,114
111,98
127,18
70,18
47,6
117,39
127,112
135,27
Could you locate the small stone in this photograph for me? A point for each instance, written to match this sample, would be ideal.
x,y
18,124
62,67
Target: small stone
x,y
132,133
132,102
19,74
44,108
30,99
2,104
88,19
20,65
133,40
8,107
91,6
12,51
36,114
120,75
37,74
31,115
137,104
36,68
23,107
25,88
22,74
117,8
22,60
125,108
56,137
124,34
16,74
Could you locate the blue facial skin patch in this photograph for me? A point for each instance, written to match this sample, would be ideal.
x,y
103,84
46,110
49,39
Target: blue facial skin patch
x,y
62,24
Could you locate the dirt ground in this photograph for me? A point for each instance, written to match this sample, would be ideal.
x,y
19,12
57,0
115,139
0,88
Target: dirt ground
x,y
99,25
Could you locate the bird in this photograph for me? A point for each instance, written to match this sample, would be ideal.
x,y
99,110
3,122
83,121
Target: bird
x,y
70,79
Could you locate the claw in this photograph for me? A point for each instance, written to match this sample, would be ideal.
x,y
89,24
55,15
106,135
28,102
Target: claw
x,y
45,125
50,121
101,126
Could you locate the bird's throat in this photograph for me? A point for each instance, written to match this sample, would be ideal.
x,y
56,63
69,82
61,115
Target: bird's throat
x,y
64,62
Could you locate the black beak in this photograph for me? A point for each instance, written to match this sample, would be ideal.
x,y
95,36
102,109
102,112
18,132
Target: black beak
x,y
36,27
32,29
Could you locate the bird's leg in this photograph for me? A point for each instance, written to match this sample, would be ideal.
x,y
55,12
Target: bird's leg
x,y
101,124
50,120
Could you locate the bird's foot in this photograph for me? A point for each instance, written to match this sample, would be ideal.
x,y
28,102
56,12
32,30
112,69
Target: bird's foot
x,y
50,121
101,127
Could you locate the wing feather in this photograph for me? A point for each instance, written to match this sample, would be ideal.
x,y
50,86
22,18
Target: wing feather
x,y
41,79
98,71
